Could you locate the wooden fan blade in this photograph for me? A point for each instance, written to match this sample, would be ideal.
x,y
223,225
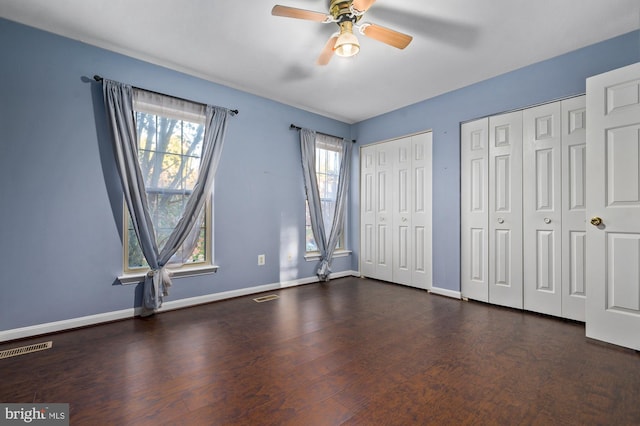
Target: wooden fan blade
x,y
292,12
327,52
362,5
385,35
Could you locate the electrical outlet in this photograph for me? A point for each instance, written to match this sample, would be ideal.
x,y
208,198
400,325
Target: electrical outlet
x,y
261,259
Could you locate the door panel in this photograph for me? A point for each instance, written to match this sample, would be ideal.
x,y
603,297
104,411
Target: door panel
x,y
623,253
502,253
402,193
573,208
542,201
384,214
368,202
613,194
622,167
505,214
474,213
420,209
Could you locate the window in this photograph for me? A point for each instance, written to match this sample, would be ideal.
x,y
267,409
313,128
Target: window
x,y
170,135
328,160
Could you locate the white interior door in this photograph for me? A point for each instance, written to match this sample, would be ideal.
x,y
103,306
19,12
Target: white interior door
x,y
368,213
395,205
505,214
384,213
421,208
542,214
573,208
474,212
613,198
402,194
376,212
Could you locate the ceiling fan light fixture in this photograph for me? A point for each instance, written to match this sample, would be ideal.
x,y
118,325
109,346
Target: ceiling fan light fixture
x,y
347,44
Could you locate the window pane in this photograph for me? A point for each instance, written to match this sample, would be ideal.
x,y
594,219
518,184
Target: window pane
x,y
169,151
136,258
327,174
199,253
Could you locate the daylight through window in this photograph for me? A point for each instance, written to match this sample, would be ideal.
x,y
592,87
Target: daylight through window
x,y
170,135
328,160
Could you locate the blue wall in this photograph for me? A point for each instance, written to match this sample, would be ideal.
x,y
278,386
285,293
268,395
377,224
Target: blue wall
x,y
545,81
60,197
60,200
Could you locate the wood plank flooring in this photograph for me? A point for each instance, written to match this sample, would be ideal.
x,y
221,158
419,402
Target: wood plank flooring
x,y
350,352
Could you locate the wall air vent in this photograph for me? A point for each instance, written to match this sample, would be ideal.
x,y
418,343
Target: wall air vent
x,y
8,353
266,298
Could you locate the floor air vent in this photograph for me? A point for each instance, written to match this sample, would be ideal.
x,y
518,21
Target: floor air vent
x,y
8,353
266,298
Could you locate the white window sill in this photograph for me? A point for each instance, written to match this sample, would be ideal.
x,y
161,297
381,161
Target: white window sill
x,y
316,256
136,277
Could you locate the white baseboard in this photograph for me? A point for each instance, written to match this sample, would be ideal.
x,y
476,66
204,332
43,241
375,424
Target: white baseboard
x,y
56,326
445,292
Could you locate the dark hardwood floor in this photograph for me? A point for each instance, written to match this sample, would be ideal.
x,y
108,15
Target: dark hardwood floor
x,y
353,352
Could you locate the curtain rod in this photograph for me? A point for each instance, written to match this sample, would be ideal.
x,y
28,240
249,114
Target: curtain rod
x,y
232,111
294,127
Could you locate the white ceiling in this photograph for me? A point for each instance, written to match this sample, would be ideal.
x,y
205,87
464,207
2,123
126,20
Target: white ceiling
x,y
239,43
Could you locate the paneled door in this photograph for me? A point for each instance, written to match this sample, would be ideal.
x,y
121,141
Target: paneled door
x,y
368,159
376,200
421,218
613,207
542,209
474,232
505,209
395,203
574,239
401,210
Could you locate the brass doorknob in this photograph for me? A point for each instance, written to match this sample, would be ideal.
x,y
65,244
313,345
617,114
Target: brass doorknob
x,y
596,221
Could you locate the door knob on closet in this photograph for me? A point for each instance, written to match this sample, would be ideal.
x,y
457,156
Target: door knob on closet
x,y
404,219
547,220
596,221
500,220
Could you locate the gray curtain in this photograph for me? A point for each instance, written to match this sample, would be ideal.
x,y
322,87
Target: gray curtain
x,y
326,245
119,104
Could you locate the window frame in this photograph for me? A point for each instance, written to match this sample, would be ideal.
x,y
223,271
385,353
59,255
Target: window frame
x,y
135,274
341,248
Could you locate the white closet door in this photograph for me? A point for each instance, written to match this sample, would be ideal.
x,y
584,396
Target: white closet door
x,y
395,203
542,209
613,196
412,210
376,212
505,214
573,208
474,256
368,211
384,213
421,176
401,210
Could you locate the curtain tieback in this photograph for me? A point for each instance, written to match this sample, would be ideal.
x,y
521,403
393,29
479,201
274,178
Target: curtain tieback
x,y
324,270
161,278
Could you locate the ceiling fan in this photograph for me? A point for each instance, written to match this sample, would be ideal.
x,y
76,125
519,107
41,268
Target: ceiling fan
x,y
346,14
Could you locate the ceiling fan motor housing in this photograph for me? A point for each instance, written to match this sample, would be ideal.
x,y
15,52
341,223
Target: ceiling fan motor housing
x,y
341,11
